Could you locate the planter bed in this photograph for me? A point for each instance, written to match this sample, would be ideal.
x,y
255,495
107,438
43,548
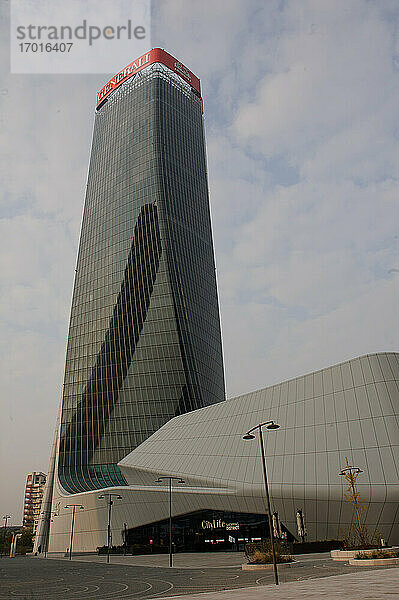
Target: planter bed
x,y
349,554
370,562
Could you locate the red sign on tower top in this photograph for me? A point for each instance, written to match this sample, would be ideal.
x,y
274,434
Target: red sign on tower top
x,y
156,55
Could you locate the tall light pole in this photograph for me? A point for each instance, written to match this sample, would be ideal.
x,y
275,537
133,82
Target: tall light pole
x,y
249,436
351,474
50,514
74,507
108,498
170,479
6,517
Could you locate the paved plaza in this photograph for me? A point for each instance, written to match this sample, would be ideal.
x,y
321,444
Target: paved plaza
x,y
373,585
215,576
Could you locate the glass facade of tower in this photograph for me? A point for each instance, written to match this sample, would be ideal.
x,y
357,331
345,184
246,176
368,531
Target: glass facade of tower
x,y
144,341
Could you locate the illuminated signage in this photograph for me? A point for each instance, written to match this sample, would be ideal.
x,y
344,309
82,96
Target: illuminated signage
x,y
156,55
219,524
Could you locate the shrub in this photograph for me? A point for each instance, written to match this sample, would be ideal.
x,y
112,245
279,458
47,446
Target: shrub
x,y
367,541
259,557
267,558
377,554
261,553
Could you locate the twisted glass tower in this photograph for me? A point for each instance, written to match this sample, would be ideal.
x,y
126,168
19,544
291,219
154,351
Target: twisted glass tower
x,y
144,342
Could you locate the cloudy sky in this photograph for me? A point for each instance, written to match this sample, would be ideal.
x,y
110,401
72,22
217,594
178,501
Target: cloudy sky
x,y
301,111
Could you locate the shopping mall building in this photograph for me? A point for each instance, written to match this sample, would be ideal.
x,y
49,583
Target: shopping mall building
x,y
144,393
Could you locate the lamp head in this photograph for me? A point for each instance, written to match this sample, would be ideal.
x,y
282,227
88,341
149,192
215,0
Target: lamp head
x,y
350,469
248,436
273,425
181,481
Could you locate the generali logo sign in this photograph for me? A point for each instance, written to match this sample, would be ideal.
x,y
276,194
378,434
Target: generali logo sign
x,y
182,70
120,77
155,55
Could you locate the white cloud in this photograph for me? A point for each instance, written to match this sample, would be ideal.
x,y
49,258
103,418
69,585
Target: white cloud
x,y
333,79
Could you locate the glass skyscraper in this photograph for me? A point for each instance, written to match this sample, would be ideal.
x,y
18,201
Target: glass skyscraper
x,y
144,342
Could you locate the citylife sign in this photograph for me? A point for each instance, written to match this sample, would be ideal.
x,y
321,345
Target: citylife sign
x,y
219,524
157,55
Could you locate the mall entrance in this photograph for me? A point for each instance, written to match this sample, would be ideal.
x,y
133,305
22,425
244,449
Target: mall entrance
x,y
204,531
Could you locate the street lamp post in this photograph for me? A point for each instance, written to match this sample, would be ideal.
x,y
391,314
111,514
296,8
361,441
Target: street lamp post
x,y
170,479
43,515
49,525
351,474
74,507
6,517
249,436
108,497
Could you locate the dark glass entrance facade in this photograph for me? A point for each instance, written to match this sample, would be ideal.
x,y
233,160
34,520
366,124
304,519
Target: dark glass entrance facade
x,y
204,531
144,342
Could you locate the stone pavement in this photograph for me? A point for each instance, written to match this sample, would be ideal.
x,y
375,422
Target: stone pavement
x,y
365,585
184,560
313,576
